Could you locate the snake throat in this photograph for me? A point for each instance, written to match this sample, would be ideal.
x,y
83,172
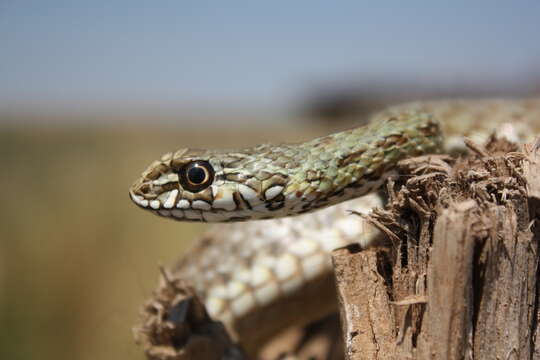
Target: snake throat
x,y
270,181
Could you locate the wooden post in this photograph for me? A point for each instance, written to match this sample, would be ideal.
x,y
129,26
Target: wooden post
x,y
464,266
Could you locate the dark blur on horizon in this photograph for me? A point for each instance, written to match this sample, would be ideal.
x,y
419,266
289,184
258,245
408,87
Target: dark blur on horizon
x,y
92,92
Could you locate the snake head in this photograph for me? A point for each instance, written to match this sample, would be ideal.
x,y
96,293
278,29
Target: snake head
x,y
209,186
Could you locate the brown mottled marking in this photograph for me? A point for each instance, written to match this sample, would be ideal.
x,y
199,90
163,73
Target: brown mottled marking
x,y
397,140
205,195
351,157
241,203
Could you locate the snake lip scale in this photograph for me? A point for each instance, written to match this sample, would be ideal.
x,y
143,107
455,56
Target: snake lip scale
x,y
269,181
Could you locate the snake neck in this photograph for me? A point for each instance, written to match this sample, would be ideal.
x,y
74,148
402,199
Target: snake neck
x,y
352,163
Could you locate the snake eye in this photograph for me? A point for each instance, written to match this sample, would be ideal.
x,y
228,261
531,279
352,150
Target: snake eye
x,y
196,175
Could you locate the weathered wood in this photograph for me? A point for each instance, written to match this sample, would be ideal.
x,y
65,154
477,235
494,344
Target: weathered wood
x,y
176,326
368,329
448,321
505,281
531,172
464,270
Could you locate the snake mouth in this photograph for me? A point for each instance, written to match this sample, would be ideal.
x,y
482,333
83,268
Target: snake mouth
x,y
196,211
147,194
166,198
167,208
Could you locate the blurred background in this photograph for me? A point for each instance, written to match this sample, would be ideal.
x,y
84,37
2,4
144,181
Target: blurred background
x,y
92,92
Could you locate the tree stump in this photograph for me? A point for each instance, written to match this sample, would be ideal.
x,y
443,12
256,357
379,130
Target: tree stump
x,y
460,279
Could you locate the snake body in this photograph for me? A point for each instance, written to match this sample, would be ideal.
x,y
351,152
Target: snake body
x,y
278,272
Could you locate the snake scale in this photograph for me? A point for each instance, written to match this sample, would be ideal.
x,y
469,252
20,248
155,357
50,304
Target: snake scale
x,y
276,271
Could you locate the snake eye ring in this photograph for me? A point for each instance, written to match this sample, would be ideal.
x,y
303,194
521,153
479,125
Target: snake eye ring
x,y
196,175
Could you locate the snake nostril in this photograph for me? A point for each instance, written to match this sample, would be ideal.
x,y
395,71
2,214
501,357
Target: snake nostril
x,y
141,189
144,188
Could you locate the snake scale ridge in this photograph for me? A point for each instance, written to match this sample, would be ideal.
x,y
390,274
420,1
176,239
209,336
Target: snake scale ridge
x,y
277,272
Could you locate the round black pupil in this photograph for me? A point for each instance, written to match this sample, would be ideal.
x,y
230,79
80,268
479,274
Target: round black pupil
x,y
196,175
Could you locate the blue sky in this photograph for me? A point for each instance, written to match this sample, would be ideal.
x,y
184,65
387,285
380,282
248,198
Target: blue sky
x,y
60,53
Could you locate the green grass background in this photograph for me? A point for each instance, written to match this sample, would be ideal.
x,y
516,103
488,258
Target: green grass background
x,y
77,258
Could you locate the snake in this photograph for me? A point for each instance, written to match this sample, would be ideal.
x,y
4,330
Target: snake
x,y
287,206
